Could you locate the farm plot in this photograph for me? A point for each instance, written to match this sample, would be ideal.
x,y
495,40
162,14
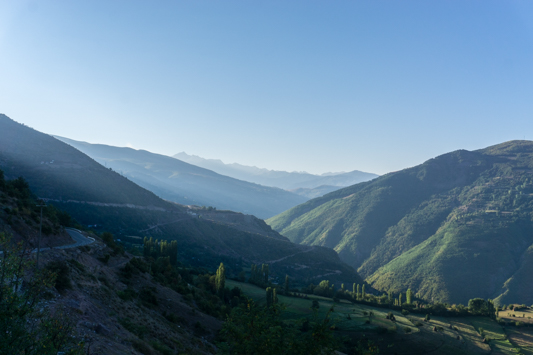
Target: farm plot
x,y
522,338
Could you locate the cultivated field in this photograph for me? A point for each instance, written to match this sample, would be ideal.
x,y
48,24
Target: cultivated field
x,y
409,334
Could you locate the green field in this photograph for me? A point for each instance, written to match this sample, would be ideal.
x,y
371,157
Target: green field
x,y
441,335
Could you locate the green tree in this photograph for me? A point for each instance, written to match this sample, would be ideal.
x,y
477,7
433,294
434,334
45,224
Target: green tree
x,y
264,270
323,289
220,279
286,287
400,299
491,309
25,325
255,330
477,306
363,294
409,296
269,297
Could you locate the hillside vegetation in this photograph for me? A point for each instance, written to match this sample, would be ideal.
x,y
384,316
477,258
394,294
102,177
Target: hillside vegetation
x,y
458,226
97,196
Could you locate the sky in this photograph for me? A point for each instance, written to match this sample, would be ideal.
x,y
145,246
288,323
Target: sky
x,y
314,86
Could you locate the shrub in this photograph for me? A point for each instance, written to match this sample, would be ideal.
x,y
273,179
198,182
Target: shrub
x,y
148,297
381,330
105,258
138,330
142,347
62,272
162,348
407,329
127,295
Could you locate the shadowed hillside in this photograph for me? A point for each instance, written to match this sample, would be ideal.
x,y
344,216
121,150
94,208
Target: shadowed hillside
x,y
95,195
177,181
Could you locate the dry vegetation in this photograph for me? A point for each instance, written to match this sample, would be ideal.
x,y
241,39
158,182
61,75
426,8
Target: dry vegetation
x,y
162,324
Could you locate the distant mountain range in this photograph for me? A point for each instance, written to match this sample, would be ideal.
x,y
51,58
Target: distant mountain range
x,y
96,195
457,227
187,184
281,179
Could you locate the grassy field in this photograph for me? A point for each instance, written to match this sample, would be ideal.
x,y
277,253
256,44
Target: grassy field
x,y
523,315
441,335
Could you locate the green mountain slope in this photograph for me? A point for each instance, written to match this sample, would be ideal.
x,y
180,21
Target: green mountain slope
x,y
456,227
178,181
95,195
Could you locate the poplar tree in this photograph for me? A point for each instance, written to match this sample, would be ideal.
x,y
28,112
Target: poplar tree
x,y
354,290
147,246
400,299
390,297
269,296
274,296
220,279
409,296
253,274
363,293
342,288
357,296
264,271
286,285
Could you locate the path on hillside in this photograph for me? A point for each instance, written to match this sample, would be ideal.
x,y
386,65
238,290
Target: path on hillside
x,y
164,224
289,256
335,272
79,239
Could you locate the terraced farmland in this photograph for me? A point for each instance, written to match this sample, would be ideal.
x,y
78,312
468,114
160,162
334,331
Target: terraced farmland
x,y
440,335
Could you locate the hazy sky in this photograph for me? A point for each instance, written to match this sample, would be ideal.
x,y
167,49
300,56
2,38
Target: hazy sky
x,y
289,85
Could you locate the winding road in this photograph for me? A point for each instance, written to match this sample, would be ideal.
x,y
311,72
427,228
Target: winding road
x,y
80,240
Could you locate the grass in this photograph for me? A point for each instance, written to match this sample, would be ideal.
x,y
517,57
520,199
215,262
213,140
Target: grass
x,y
428,225
522,338
463,337
346,316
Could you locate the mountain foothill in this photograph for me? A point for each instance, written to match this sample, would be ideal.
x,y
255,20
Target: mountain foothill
x,y
96,195
456,227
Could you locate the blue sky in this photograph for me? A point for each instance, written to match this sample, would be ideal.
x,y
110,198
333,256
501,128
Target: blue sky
x,y
307,85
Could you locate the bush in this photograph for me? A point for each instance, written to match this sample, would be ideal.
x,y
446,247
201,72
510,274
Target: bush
x,y
62,272
148,297
127,295
138,330
381,330
24,326
142,347
407,329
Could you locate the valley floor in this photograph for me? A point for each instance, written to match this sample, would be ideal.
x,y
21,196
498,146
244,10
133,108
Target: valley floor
x,y
409,334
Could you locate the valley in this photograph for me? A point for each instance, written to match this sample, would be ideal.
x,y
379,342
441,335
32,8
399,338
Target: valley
x,y
454,228
434,228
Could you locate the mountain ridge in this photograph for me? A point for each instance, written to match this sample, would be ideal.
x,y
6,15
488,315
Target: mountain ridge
x,y
71,179
188,184
276,178
405,228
